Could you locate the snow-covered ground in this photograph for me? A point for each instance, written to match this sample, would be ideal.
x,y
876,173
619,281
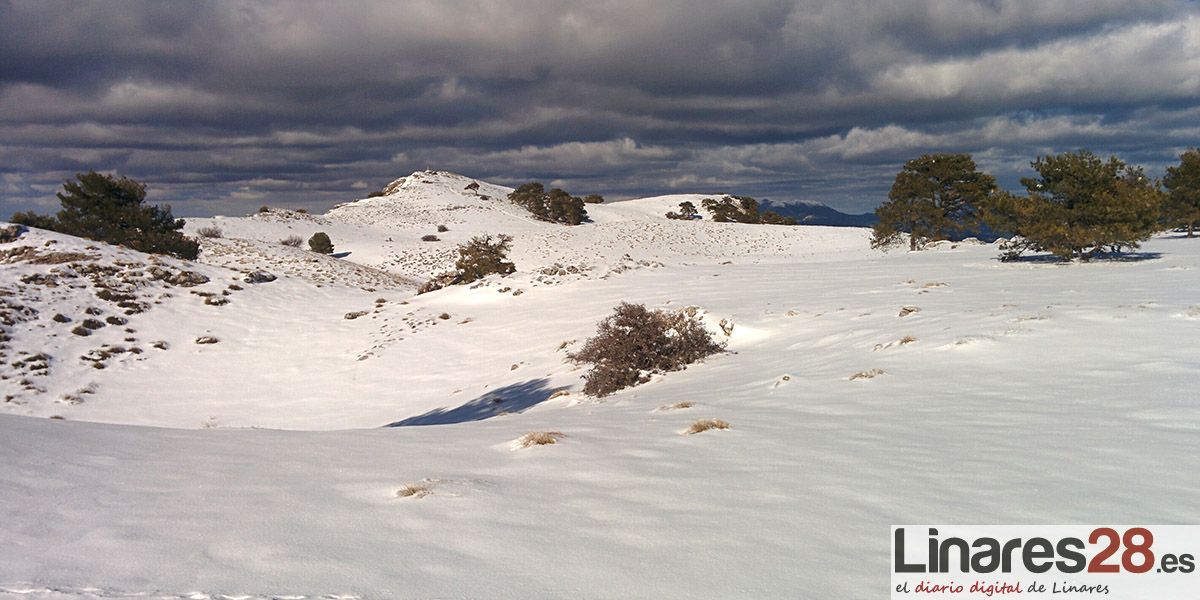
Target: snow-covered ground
x,y
862,389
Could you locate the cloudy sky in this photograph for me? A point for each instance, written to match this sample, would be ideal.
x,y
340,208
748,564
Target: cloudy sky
x,y
222,106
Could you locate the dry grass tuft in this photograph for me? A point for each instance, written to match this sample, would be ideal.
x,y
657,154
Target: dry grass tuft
x,y
908,310
415,490
540,438
908,339
677,405
873,373
706,424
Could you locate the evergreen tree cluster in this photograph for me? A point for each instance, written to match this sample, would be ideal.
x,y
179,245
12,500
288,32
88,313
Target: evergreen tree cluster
x,y
555,206
687,212
113,210
1078,206
1183,192
742,209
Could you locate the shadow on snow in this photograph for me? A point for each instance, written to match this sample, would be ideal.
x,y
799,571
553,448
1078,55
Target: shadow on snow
x,y
514,398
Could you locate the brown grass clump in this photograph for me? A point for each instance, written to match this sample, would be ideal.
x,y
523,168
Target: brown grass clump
x,y
677,405
540,438
908,339
873,373
415,490
706,424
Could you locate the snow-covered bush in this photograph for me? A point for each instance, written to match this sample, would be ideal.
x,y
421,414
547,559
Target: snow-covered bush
x,y
633,343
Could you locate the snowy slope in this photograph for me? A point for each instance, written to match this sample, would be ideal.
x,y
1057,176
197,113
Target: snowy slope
x,y
1023,392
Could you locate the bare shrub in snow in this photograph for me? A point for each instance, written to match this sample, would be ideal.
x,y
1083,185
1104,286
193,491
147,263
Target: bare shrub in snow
x,y
677,405
209,232
703,425
634,343
539,438
414,490
429,237
293,241
442,229
872,374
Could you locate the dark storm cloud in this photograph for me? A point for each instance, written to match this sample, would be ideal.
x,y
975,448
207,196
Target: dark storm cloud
x,y
225,105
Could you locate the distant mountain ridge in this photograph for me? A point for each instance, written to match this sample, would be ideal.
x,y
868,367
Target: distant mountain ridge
x,y
819,214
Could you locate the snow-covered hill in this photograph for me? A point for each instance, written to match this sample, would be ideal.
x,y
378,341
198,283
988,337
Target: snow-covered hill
x,y
863,390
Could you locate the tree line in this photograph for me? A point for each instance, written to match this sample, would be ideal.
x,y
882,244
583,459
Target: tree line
x,y
1078,206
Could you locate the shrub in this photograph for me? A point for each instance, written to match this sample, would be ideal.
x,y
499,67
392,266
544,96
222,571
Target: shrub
x,y
593,199
478,258
106,209
483,256
292,240
209,232
10,233
429,238
634,342
443,229
264,209
303,211
320,242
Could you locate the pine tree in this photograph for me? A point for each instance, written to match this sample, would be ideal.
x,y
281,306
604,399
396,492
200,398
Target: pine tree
x,y
1183,192
111,210
934,197
1081,206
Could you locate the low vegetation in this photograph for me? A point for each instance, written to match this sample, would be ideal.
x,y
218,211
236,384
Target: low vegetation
x,y
539,438
634,343
702,425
